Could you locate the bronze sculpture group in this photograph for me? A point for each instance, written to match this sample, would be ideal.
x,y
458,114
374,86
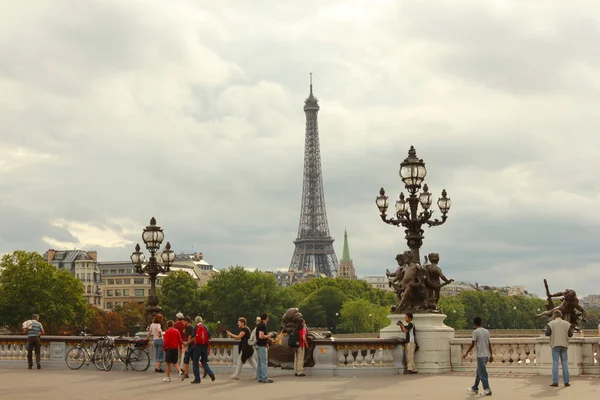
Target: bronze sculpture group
x,y
569,306
417,287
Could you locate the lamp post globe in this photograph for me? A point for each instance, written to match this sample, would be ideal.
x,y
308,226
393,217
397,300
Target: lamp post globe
x,y
414,211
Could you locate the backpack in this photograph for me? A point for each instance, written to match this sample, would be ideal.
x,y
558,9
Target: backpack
x,y
252,340
202,336
294,340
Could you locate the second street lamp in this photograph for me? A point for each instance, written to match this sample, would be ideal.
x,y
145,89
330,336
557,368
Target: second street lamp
x,y
414,212
152,236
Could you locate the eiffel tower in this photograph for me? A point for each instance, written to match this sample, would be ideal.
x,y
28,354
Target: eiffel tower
x,y
314,251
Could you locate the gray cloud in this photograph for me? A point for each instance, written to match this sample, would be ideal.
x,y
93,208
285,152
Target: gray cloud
x,y
113,112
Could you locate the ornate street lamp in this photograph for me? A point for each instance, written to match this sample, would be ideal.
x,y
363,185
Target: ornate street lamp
x,y
152,236
413,212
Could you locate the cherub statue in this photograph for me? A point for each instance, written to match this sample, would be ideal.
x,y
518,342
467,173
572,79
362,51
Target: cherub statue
x,y
569,307
435,274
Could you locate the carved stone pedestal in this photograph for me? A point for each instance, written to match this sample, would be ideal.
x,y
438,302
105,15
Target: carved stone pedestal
x,y
433,336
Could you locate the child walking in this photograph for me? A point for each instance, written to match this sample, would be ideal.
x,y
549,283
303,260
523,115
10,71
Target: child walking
x,y
172,346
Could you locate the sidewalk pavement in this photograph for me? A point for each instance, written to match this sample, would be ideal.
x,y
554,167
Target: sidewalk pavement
x,y
90,384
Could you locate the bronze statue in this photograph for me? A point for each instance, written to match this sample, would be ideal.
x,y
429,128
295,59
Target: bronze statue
x,y
435,274
569,307
417,288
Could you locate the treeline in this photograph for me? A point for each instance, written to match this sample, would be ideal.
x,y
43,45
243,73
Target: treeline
x,y
28,284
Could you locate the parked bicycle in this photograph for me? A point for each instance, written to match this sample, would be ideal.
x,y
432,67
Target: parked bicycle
x,y
136,355
81,354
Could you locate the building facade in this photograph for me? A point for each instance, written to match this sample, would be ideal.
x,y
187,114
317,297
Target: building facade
x,y
84,266
122,285
379,282
282,277
346,269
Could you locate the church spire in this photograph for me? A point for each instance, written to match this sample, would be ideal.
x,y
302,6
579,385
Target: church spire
x,y
346,254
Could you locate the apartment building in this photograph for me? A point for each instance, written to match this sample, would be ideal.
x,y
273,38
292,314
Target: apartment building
x,y
84,266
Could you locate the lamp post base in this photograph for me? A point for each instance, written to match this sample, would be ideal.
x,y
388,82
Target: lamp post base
x,y
433,337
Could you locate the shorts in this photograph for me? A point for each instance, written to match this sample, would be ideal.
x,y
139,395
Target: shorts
x,y
171,356
189,354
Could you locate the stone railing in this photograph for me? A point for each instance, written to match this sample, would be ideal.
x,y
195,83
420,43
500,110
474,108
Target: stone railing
x,y
530,355
332,357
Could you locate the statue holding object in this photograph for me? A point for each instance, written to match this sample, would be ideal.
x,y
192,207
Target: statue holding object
x,y
570,308
417,288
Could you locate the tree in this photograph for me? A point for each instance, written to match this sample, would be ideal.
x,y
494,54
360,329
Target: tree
x,y
131,314
236,292
353,289
362,316
179,293
29,284
320,307
455,311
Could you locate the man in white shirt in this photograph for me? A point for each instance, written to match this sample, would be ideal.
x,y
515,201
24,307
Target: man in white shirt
x,y
481,339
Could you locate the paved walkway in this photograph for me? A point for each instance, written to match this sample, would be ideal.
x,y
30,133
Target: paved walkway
x,y
89,384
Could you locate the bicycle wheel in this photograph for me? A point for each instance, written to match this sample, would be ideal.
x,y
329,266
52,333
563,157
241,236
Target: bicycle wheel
x,y
75,357
98,358
108,359
139,359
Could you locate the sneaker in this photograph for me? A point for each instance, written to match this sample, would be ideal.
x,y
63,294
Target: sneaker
x,y
567,384
181,375
554,384
234,377
269,380
302,374
486,392
195,381
157,370
186,376
39,366
472,391
212,377
166,379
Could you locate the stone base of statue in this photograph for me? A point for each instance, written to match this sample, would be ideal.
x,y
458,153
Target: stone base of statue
x,y
433,337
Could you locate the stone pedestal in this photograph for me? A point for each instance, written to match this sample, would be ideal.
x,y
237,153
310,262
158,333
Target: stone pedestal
x,y
433,336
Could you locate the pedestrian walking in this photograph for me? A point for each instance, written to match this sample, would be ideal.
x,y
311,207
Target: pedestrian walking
x,y
262,347
188,344
34,330
156,335
180,326
172,347
300,350
559,331
202,337
410,345
245,350
481,339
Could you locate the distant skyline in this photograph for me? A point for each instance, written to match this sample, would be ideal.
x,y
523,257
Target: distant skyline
x,y
117,111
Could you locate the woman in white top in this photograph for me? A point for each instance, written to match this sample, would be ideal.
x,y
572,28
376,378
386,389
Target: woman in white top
x,y
155,333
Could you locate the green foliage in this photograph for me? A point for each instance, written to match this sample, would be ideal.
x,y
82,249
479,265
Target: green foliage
x,y
236,292
29,285
496,311
179,293
353,289
320,307
363,316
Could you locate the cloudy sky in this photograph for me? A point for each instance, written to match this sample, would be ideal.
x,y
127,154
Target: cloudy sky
x,y
191,111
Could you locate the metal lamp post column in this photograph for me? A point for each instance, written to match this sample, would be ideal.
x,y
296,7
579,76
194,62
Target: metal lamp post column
x,y
414,212
152,236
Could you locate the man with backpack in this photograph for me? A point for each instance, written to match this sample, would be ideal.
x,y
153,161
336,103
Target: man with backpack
x,y
410,345
297,341
245,349
203,336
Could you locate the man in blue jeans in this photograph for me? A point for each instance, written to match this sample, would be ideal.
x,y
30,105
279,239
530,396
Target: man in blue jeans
x,y
262,346
202,337
559,331
481,339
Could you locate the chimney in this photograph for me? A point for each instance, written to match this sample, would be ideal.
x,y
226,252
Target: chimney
x,y
93,255
50,255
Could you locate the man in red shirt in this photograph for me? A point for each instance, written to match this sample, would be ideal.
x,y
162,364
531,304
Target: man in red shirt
x,y
171,347
299,352
180,326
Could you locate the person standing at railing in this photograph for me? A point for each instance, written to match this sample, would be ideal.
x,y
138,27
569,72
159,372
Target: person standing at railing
x,y
155,334
34,330
245,350
559,331
481,339
410,345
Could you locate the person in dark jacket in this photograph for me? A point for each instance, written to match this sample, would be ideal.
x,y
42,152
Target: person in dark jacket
x,y
245,351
